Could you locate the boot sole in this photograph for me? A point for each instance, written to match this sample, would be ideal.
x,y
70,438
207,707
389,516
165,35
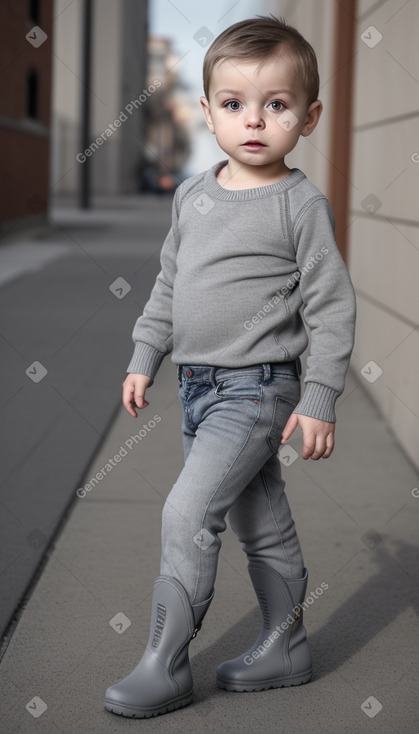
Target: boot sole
x,y
137,712
296,680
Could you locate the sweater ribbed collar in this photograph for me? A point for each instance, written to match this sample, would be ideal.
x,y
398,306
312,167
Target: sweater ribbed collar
x,y
213,188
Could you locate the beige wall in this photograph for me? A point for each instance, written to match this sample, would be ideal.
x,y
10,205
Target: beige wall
x,y
384,233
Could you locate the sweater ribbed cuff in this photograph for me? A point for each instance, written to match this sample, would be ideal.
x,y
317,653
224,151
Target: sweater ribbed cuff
x,y
318,402
146,360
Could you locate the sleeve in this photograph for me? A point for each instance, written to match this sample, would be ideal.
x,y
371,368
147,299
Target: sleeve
x,y
153,330
329,310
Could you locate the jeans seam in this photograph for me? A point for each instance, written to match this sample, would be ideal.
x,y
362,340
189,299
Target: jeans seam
x,y
205,512
274,519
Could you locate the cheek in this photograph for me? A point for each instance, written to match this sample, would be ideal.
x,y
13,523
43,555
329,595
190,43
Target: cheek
x,y
287,136
224,125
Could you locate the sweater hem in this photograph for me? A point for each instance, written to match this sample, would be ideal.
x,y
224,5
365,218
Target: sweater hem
x,y
318,402
146,360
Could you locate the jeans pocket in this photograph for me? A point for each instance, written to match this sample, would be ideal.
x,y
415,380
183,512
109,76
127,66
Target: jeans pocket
x,y
283,408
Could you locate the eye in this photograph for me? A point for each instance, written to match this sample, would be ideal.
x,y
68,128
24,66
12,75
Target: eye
x,y
232,102
277,105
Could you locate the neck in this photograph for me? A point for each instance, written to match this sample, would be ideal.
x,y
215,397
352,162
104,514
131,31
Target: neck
x,y
235,175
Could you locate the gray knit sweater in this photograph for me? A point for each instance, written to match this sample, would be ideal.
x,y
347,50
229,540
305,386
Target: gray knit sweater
x,y
237,267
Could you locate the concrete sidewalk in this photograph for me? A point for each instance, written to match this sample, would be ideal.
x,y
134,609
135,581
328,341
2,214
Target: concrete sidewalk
x,y
69,296
357,519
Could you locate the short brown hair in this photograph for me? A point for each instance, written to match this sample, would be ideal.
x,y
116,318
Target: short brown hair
x,y
260,38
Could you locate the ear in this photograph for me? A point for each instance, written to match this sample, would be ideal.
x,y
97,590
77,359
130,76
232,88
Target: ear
x,y
313,116
206,108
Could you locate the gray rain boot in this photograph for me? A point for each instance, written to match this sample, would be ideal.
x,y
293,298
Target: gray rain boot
x,y
162,680
281,655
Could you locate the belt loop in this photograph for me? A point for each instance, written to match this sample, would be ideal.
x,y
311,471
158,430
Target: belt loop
x,y
179,373
212,376
298,365
266,372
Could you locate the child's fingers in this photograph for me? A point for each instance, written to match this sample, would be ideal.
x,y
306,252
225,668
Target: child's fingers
x,y
140,400
128,399
309,445
330,445
130,408
290,427
133,393
317,445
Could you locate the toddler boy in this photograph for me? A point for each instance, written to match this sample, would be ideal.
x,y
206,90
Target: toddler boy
x,y
251,245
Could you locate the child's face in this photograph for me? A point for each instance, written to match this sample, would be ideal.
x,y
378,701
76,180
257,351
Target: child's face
x,y
269,105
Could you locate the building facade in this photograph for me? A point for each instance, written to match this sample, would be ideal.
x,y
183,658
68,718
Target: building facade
x,y
118,91
25,103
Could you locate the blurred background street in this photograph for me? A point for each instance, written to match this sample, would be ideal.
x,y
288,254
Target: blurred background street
x,y
99,122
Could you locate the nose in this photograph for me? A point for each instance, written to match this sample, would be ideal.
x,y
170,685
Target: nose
x,y
254,119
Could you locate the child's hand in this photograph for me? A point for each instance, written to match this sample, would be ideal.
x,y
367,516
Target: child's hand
x,y
134,387
318,436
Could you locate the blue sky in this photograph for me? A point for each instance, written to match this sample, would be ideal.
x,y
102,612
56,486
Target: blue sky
x,y
181,19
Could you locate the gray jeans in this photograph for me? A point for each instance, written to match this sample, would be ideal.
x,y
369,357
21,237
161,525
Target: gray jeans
x,y
232,425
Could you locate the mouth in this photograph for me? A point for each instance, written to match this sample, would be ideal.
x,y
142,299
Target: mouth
x,y
254,144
